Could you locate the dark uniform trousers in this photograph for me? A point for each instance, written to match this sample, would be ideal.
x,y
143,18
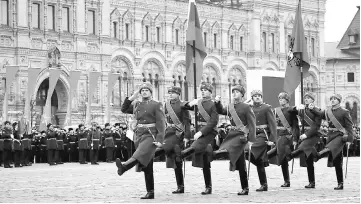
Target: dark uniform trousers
x,y
17,154
149,176
73,155
259,163
7,152
242,170
94,153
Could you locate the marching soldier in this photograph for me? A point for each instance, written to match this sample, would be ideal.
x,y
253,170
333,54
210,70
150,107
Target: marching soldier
x,y
95,144
266,134
309,139
73,145
340,131
149,132
243,121
177,132
288,133
109,143
60,136
52,146
83,144
26,142
18,149
207,130
7,136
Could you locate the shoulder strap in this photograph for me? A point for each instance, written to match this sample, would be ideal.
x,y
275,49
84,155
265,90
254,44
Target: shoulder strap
x,y
334,121
308,120
235,117
283,119
202,111
174,116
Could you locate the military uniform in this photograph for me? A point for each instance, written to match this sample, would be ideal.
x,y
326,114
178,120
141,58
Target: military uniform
x,y
43,149
207,118
18,148
7,146
83,145
265,131
150,128
243,122
340,131
52,146
312,123
60,147
288,132
73,147
27,152
119,145
109,144
95,146
1,149
178,128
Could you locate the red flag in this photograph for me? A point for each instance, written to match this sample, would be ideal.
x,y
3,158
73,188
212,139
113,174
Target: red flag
x,y
194,34
297,55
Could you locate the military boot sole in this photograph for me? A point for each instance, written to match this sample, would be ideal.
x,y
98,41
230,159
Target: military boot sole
x,y
120,166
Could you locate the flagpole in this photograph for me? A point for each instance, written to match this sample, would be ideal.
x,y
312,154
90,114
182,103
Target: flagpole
x,y
195,85
302,101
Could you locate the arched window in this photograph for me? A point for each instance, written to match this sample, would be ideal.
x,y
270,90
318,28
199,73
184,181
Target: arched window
x,y
264,39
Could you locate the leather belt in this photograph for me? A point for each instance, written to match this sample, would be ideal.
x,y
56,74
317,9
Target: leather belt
x,y
171,125
26,139
261,126
118,139
84,139
52,139
146,125
234,128
333,129
72,142
109,138
59,140
281,128
96,139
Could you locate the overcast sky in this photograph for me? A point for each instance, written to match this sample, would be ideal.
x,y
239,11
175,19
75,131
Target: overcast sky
x,y
339,14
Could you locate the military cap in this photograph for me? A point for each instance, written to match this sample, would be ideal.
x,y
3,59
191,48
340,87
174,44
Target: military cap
x,y
207,86
309,94
70,129
107,124
285,96
48,125
14,124
256,92
80,125
117,124
337,96
146,85
239,88
175,89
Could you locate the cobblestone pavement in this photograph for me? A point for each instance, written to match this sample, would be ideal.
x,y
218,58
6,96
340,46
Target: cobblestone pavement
x,y
73,182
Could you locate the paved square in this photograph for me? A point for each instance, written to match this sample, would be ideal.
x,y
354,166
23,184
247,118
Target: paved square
x,y
73,182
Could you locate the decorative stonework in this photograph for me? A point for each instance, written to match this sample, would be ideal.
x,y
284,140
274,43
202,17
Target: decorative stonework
x,y
37,43
92,48
6,41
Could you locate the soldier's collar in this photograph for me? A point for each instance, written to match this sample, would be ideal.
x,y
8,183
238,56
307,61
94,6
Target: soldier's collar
x,y
257,104
236,101
286,105
336,107
172,101
206,98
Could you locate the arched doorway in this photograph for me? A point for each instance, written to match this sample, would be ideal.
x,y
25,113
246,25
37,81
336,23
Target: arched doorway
x,y
59,99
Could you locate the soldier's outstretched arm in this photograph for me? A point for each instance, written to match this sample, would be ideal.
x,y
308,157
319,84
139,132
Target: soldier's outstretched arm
x,y
220,109
127,106
251,124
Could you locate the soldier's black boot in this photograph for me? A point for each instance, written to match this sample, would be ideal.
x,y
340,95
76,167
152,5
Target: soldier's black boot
x,y
272,152
207,181
7,156
286,174
339,172
149,181
126,166
310,172
179,154
159,152
262,178
244,183
219,154
321,154
179,178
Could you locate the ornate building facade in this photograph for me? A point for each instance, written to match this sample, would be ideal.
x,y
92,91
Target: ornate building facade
x,y
342,74
145,41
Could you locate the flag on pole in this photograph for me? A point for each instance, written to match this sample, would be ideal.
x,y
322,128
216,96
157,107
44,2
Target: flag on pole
x,y
194,34
297,55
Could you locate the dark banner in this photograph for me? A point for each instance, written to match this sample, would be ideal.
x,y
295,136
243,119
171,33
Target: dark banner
x,y
271,87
